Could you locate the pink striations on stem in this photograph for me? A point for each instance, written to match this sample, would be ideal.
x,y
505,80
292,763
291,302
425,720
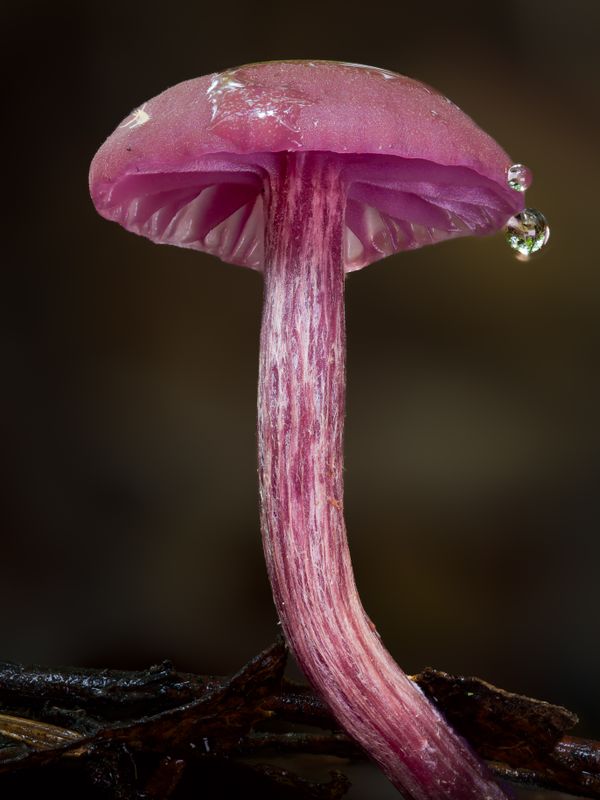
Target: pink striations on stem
x,y
300,436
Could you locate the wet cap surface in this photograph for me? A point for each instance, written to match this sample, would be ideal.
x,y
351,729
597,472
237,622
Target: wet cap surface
x,y
189,167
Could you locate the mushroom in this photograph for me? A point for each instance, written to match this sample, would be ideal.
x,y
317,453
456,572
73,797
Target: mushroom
x,y
308,170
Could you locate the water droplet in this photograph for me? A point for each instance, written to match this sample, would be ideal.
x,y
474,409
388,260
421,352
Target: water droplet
x,y
519,177
527,232
138,116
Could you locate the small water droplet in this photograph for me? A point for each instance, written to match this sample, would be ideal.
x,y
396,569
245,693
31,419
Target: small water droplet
x,y
527,232
519,177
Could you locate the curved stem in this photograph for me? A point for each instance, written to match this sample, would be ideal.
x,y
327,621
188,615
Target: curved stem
x,y
300,438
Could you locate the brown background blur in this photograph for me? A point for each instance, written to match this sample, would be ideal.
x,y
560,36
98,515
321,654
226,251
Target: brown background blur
x,y
129,524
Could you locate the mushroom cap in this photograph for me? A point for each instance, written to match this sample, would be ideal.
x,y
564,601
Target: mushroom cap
x,y
189,167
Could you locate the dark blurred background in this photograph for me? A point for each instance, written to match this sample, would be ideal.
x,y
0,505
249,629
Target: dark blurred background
x,y
129,522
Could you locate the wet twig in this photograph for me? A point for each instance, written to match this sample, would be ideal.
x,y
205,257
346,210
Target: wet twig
x,y
151,733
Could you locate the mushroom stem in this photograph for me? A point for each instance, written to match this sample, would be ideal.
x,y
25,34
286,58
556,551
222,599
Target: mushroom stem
x,y
300,439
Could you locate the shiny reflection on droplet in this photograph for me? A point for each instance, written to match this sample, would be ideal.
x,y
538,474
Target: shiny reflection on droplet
x,y
519,177
527,232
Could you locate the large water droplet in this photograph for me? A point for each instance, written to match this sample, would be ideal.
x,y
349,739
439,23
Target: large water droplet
x,y
519,177
527,232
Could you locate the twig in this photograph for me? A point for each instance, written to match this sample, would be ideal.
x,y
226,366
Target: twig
x,y
113,722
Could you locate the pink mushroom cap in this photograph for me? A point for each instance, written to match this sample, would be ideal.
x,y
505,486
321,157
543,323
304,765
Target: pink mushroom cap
x,y
192,166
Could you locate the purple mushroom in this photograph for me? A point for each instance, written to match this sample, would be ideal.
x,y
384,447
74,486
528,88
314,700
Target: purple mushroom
x,y
307,170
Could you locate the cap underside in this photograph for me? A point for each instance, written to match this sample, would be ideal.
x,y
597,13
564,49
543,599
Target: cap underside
x,y
216,204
